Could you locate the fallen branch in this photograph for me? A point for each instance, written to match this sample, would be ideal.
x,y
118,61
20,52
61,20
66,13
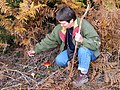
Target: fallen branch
x,y
27,78
13,86
44,80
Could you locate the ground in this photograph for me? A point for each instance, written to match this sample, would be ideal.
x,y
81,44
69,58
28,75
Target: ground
x,y
17,72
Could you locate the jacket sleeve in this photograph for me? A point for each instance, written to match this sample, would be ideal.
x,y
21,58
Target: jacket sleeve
x,y
50,41
91,39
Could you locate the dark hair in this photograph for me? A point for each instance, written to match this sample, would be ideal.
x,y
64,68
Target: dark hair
x,y
65,14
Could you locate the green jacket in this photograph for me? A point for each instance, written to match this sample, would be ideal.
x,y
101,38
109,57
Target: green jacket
x,y
57,38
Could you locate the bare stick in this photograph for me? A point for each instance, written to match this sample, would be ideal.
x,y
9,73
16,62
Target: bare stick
x,y
80,25
119,57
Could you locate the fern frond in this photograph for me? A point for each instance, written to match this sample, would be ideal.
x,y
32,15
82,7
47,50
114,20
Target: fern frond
x,y
3,7
28,10
112,76
25,42
73,3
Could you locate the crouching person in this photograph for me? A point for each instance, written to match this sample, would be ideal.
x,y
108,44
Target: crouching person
x,y
65,35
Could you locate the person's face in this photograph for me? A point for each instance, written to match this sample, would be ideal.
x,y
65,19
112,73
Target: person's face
x,y
66,24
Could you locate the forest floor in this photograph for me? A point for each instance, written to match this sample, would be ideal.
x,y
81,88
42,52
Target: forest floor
x,y
18,72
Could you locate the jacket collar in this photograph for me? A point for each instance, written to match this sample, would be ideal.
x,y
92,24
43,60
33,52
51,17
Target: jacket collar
x,y
63,31
75,24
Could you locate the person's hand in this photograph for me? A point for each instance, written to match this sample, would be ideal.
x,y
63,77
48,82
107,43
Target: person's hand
x,y
78,38
31,53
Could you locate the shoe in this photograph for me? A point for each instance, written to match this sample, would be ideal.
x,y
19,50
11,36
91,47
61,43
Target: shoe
x,y
82,79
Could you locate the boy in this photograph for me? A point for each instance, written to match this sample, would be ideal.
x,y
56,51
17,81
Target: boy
x,y
65,35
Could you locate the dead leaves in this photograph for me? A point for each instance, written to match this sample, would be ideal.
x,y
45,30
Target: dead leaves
x,y
1,75
3,44
27,9
25,42
73,3
109,70
112,76
3,7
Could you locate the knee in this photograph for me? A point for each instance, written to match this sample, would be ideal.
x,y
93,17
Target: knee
x,y
60,62
57,60
82,50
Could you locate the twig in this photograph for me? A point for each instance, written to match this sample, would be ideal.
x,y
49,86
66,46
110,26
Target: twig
x,y
2,63
5,88
9,82
119,57
80,25
43,80
5,47
24,76
61,72
66,82
24,66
